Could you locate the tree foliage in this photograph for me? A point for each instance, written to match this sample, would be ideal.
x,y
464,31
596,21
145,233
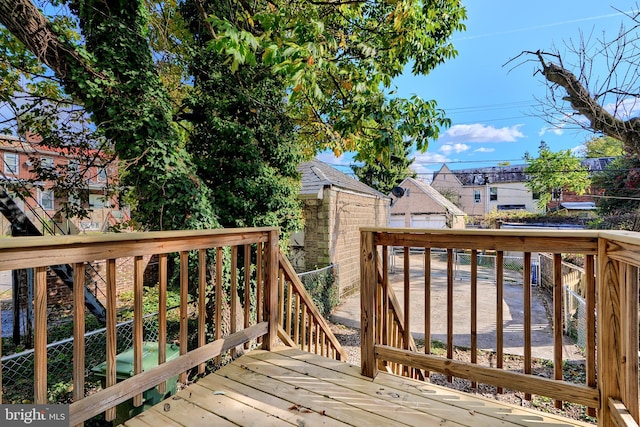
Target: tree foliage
x,y
621,182
243,141
604,146
551,173
339,59
386,174
329,82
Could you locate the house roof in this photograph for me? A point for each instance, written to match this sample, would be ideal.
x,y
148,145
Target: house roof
x,y
515,173
317,175
435,195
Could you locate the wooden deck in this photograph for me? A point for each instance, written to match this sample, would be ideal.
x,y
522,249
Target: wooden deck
x,y
291,387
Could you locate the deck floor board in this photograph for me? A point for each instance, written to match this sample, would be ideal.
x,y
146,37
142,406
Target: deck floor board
x,y
290,387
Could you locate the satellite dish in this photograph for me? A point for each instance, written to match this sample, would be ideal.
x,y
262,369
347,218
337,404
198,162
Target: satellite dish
x,y
397,191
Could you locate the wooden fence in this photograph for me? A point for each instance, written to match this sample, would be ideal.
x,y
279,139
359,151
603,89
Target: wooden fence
x,y
612,313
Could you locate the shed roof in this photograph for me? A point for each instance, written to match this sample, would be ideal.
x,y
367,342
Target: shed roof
x,y
317,175
436,196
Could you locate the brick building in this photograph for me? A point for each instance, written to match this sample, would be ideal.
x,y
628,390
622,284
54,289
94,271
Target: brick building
x,y
335,207
41,203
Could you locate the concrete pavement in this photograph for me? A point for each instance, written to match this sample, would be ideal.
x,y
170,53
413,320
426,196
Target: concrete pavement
x,y
348,312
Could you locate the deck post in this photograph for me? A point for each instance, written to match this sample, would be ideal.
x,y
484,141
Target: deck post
x,y
617,318
368,284
271,292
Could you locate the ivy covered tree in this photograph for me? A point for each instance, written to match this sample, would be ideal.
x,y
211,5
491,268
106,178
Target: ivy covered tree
x,y
551,173
388,173
243,141
335,61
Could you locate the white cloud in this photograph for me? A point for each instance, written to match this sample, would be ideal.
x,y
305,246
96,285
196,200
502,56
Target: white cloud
x,y
345,159
481,133
625,109
484,150
556,130
457,148
579,151
425,163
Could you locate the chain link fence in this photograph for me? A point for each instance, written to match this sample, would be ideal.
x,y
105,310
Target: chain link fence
x,y
17,369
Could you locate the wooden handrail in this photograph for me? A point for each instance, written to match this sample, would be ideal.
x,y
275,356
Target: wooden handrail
x,y
611,384
288,330
207,248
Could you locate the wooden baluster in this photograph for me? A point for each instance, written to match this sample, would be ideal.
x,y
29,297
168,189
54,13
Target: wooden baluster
x,y
78,333
1,355
383,337
271,291
184,299
247,288
369,278
590,308
289,308
427,304
138,274
557,321
234,294
629,329
202,303
499,312
110,414
474,310
407,302
162,316
449,307
526,289
259,286
219,266
296,320
281,298
303,333
311,328
317,344
40,331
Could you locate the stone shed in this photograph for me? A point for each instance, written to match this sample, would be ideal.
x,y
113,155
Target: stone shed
x,y
335,207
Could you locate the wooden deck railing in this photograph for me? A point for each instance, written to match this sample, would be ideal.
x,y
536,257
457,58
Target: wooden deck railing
x,y
210,265
300,323
611,313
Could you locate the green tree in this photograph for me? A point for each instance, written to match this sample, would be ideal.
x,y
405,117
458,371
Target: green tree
x,y
384,175
551,173
621,184
339,60
244,143
604,146
336,61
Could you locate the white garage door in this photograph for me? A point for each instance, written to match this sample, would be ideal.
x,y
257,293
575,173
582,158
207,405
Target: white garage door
x,y
396,221
428,221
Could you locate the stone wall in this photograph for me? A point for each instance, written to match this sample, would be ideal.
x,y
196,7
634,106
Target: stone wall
x,y
332,232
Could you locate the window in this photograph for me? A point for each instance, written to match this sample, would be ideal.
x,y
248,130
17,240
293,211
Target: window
x,y
46,199
97,201
46,162
102,175
477,196
493,193
11,163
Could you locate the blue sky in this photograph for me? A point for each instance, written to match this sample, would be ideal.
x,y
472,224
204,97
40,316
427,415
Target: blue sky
x,y
493,106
